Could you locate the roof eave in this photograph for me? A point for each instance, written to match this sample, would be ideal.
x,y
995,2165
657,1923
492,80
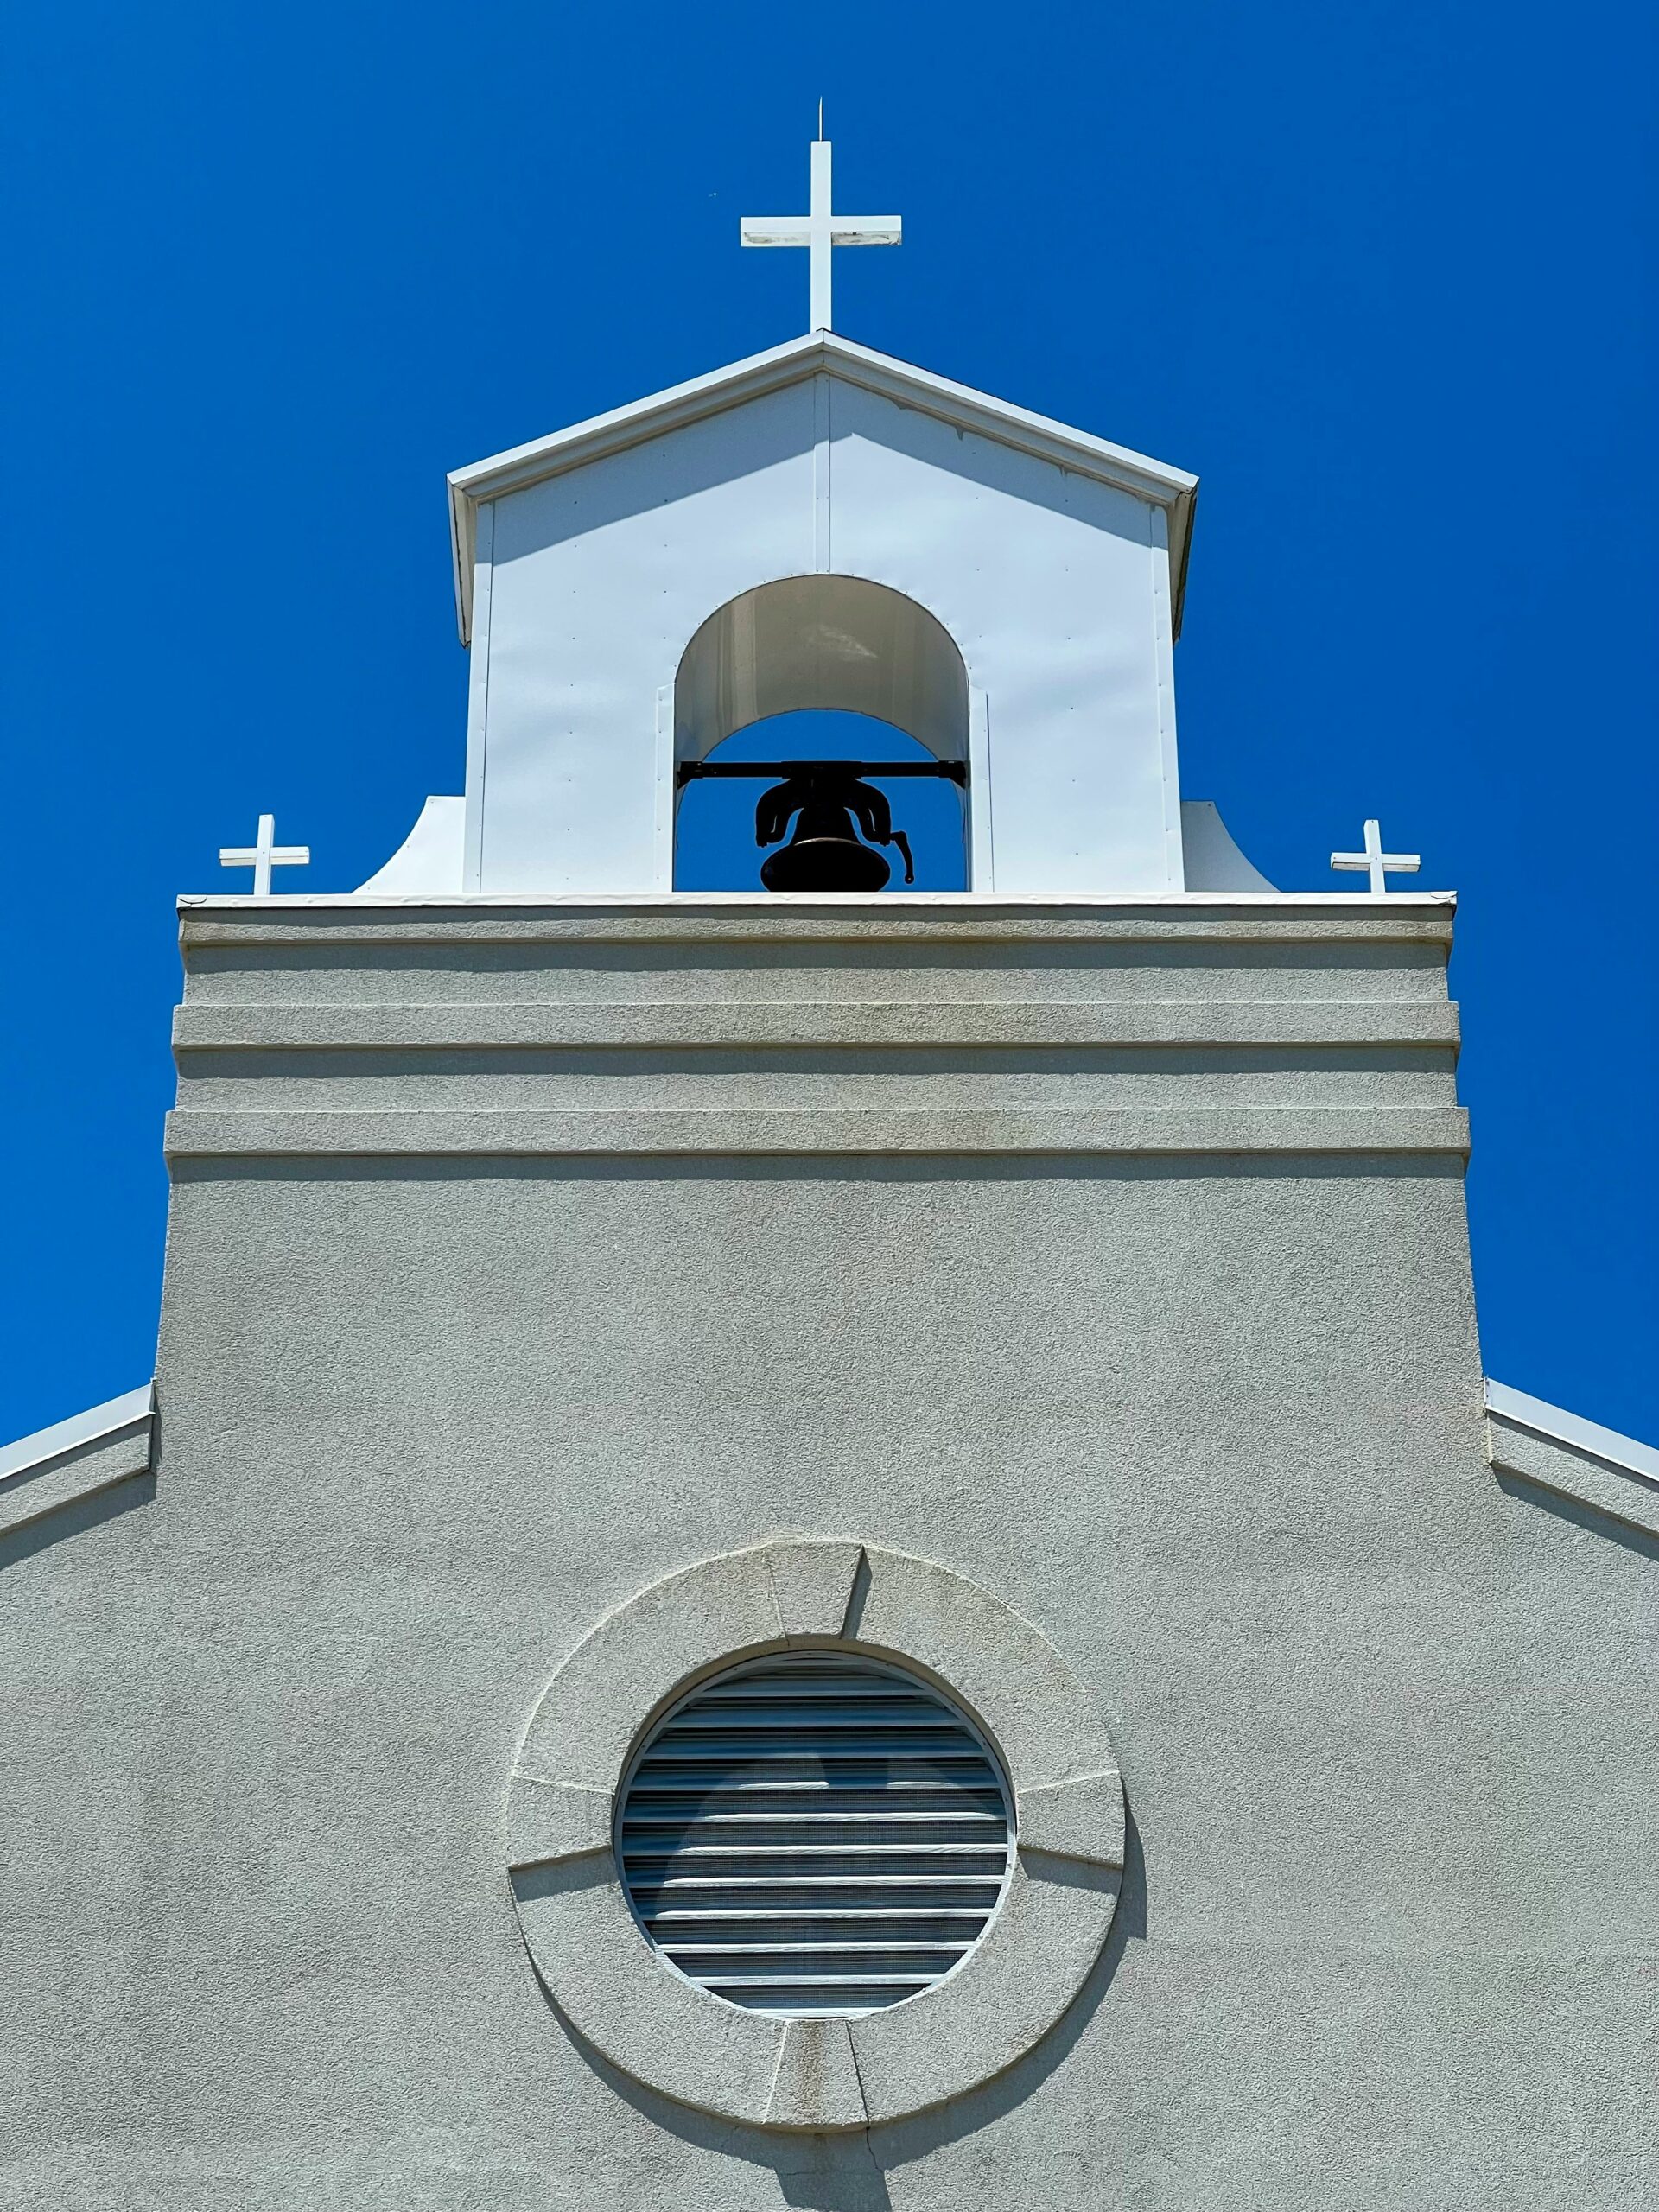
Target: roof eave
x,y
1172,489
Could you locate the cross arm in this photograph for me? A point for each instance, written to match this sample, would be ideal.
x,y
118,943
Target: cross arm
x,y
866,229
775,230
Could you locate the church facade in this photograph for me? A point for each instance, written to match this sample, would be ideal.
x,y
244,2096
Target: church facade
x,y
831,1546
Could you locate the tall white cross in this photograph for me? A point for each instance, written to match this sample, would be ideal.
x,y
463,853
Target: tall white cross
x,y
1374,861
264,855
820,231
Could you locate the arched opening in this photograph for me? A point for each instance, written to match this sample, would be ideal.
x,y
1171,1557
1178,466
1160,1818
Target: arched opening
x,y
782,689
717,833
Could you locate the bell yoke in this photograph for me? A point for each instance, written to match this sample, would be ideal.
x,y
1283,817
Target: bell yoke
x,y
824,797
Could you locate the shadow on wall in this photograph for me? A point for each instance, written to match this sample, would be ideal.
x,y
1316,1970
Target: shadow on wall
x,y
1577,1515
847,2172
74,1518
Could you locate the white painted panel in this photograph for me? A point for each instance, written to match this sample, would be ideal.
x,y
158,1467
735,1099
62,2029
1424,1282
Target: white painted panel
x,y
1047,581
1213,862
598,579
478,698
1053,585
431,859
1163,654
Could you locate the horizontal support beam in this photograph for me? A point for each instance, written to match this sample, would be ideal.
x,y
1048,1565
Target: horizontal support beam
x,y
695,772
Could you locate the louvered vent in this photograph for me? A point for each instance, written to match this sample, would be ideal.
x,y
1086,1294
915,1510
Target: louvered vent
x,y
817,1835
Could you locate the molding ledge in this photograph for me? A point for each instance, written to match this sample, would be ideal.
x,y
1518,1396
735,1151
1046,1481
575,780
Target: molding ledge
x,y
311,918
746,1025
197,1134
1576,1458
624,1998
76,1459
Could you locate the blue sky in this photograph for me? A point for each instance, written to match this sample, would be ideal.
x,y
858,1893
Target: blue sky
x,y
1380,273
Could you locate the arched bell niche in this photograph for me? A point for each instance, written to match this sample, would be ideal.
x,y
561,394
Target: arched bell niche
x,y
824,668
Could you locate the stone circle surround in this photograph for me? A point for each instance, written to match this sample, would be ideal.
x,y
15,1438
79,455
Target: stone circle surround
x,y
622,1996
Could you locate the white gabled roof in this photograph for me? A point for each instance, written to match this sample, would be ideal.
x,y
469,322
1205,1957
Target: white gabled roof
x,y
1172,489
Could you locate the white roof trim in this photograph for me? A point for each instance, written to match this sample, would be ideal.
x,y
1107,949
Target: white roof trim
x,y
1550,1422
80,1428
1172,489
879,907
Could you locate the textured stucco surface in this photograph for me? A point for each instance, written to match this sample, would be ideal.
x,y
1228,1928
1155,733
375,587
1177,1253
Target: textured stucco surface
x,y
1213,1424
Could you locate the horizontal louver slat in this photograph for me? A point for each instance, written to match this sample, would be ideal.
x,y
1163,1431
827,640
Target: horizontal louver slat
x,y
814,1835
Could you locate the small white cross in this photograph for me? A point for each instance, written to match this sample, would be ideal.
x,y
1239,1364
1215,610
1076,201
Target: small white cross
x,y
264,855
1374,861
820,231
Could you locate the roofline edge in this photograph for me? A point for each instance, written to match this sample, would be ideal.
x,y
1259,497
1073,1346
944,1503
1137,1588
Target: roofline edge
x,y
1173,489
62,1436
1357,903
1557,1427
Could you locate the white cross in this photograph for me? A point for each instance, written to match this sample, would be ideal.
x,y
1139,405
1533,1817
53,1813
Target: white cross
x,y
1374,861
264,855
820,231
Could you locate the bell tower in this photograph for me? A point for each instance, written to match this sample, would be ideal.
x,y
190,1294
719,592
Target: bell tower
x,y
821,526
827,642
838,1587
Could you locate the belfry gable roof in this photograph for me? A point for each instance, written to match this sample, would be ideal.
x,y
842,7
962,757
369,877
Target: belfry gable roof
x,y
820,352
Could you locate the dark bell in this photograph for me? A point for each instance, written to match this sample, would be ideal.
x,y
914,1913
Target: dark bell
x,y
825,853
833,861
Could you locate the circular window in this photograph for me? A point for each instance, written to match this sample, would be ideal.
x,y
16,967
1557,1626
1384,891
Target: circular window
x,y
792,1894
814,1834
